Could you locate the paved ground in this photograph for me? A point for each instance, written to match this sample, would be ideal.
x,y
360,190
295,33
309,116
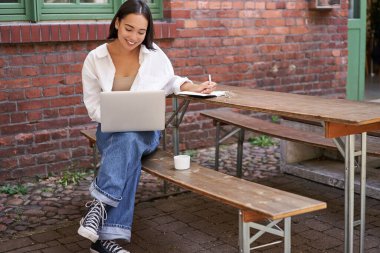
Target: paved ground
x,y
187,222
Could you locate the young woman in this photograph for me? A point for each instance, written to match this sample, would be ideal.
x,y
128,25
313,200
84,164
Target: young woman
x,y
130,61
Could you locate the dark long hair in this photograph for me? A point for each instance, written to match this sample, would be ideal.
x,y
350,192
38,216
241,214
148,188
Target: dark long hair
x,y
135,7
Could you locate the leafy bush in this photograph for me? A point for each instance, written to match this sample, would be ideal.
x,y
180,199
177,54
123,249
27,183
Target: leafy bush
x,y
261,141
71,177
190,152
275,119
13,189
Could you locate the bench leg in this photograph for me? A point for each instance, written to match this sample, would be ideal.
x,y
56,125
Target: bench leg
x,y
245,238
239,162
217,137
287,235
244,233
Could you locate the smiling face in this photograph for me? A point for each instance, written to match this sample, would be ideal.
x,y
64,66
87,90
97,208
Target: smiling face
x,y
131,31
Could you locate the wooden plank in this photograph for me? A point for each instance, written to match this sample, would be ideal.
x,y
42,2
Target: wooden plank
x,y
333,130
90,134
268,128
281,131
297,106
249,216
230,190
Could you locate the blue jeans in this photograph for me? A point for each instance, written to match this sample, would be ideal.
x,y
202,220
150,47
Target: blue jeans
x,y
118,177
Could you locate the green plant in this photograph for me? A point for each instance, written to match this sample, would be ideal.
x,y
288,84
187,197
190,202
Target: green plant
x,y
71,177
13,189
261,141
190,152
275,119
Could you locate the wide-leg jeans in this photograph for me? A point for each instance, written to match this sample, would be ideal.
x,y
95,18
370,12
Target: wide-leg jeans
x,y
118,177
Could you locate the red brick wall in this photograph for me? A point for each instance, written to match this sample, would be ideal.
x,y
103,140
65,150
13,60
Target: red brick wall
x,y
275,45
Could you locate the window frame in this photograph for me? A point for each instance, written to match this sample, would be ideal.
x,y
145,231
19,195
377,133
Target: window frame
x,y
15,11
37,10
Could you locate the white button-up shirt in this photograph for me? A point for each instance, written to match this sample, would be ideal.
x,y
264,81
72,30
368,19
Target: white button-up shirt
x,y
155,73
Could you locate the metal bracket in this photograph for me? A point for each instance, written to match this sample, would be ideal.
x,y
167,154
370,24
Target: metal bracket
x,y
219,141
245,238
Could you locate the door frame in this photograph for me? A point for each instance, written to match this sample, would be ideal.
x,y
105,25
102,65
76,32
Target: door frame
x,y
356,46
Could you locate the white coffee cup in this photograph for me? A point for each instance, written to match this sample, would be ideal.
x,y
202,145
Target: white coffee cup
x,y
181,162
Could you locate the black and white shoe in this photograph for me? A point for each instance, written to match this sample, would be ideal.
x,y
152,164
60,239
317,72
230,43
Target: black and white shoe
x,y
106,247
89,224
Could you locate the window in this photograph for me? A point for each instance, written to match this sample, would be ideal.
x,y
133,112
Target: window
x,y
40,10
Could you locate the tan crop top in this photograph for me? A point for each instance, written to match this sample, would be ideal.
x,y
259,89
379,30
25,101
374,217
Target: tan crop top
x,y
122,83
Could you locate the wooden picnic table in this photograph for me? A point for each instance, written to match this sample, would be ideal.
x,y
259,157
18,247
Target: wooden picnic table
x,y
342,120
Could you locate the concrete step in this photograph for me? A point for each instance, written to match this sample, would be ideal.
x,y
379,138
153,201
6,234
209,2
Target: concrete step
x,y
331,172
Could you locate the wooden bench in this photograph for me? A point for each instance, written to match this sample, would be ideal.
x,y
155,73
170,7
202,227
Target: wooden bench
x,y
261,208
243,122
90,134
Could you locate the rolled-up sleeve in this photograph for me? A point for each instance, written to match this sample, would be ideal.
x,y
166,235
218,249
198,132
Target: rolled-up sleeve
x,y
176,82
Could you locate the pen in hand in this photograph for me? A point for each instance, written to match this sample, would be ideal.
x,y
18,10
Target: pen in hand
x,y
207,90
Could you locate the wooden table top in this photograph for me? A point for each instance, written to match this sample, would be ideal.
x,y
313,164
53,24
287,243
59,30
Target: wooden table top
x,y
298,106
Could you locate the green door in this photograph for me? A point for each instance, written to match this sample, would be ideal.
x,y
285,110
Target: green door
x,y
356,49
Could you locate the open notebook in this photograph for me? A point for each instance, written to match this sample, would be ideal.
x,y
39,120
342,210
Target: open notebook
x,y
216,93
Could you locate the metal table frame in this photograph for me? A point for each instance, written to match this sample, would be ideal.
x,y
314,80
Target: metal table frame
x,y
353,160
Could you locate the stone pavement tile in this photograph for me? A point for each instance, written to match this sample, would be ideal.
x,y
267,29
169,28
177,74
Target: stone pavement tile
x,y
73,238
150,235
276,250
185,216
298,227
68,229
141,224
337,233
373,231
15,244
53,243
206,212
184,230
317,225
222,248
160,220
325,243
147,212
84,244
193,201
197,236
56,249
173,226
30,248
171,206
372,242
374,250
72,247
45,237
212,244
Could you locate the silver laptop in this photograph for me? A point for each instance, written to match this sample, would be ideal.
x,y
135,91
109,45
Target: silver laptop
x,y
122,111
